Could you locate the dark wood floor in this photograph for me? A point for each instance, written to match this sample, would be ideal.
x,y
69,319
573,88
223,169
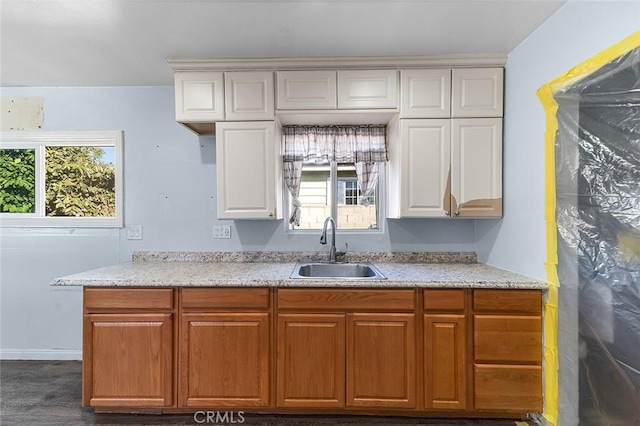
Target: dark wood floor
x,y
48,393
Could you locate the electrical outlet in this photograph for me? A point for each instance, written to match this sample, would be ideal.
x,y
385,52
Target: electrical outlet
x,y
134,232
222,231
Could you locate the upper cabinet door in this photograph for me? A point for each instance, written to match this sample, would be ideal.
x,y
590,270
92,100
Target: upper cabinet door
x,y
363,89
425,93
248,178
199,97
249,95
425,147
477,92
476,161
306,90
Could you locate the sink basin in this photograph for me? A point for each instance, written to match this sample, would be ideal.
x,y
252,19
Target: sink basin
x,y
336,271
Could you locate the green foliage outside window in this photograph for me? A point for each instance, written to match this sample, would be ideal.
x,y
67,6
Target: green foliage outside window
x,y
17,180
78,183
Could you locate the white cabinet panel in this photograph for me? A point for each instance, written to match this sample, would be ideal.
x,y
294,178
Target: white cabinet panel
x,y
419,168
199,97
476,177
477,92
361,89
425,93
249,95
248,170
306,90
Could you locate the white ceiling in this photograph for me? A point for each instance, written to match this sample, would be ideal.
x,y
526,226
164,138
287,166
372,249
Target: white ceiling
x,y
127,42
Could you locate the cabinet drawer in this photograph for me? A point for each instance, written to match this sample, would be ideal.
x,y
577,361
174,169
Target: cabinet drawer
x,y
508,387
501,338
222,298
367,89
306,90
444,300
340,299
128,298
524,301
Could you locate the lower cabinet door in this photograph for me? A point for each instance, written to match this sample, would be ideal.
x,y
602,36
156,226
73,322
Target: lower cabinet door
x,y
445,365
127,360
381,359
311,360
224,360
508,387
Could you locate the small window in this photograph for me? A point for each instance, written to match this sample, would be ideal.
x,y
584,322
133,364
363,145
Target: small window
x,y
324,168
61,179
317,198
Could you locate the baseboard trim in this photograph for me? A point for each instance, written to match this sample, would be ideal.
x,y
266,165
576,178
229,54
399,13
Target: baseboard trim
x,y
41,354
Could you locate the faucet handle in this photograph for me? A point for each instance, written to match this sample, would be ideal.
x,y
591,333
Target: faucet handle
x,y
342,253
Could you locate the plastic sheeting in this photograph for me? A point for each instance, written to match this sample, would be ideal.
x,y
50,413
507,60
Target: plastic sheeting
x,y
597,176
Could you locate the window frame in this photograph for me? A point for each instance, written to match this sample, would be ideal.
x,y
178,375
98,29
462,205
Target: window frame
x,y
40,140
380,200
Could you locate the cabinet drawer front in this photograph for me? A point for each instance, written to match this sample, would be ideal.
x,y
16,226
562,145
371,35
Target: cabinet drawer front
x,y
367,89
128,298
508,387
340,299
444,300
306,90
222,298
501,338
525,301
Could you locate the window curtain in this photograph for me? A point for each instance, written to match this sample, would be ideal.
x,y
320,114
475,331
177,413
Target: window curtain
x,y
365,146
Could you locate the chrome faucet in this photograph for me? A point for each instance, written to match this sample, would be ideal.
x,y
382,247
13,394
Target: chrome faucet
x,y
333,254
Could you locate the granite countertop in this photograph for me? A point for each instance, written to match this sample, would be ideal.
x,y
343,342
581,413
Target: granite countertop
x,y
184,269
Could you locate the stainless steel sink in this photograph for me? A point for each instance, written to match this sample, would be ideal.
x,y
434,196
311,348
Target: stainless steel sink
x,y
336,271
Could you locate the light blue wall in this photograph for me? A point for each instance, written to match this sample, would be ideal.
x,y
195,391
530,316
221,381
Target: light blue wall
x,y
170,190
576,32
579,30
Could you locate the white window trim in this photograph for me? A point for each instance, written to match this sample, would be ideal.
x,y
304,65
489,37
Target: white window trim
x,y
381,199
38,140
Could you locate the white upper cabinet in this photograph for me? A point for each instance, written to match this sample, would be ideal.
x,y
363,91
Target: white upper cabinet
x,y
249,96
365,89
419,168
306,90
249,182
425,93
476,167
444,167
477,92
199,97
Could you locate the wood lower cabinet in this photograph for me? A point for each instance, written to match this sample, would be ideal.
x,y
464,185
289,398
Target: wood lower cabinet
x,y
381,359
507,342
225,347
467,352
445,360
329,355
224,359
127,357
311,360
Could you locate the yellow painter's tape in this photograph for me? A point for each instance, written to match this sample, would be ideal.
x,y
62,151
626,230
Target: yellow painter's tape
x,y
546,96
